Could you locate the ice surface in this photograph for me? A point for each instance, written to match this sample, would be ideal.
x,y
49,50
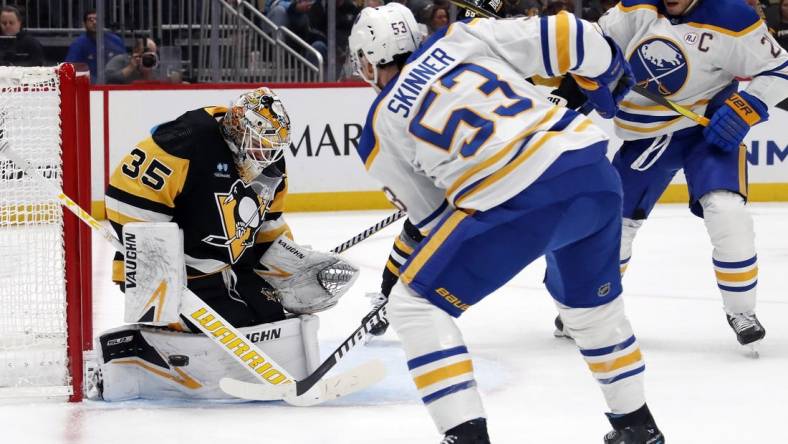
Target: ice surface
x,y
701,385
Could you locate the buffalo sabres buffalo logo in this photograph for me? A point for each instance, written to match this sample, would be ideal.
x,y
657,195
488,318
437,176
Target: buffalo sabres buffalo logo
x,y
242,210
660,65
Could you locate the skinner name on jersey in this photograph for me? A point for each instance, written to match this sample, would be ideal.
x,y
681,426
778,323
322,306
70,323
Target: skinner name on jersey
x,y
416,79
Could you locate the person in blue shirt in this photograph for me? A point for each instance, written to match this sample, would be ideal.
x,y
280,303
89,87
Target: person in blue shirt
x,y
83,49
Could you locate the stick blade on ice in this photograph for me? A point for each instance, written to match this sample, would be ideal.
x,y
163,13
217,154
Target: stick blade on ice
x,y
326,389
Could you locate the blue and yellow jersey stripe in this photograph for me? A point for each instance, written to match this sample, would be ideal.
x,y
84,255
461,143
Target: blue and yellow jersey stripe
x,y
562,43
517,141
511,164
368,145
648,119
435,241
728,17
639,5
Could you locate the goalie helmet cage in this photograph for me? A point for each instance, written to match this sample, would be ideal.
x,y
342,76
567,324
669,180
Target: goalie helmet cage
x,y
45,252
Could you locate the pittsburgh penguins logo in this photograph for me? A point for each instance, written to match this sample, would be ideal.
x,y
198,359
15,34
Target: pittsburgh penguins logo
x,y
660,65
241,211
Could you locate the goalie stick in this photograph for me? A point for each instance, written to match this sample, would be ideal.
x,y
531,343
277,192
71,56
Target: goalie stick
x,y
639,89
302,393
232,341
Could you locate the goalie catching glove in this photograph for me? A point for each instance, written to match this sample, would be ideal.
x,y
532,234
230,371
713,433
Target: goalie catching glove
x,y
305,281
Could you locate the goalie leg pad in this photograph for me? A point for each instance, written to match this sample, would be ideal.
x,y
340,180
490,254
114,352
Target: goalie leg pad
x,y
730,228
305,280
155,272
154,363
611,351
437,358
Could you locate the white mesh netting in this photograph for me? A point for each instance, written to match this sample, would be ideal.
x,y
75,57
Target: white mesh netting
x,y
33,356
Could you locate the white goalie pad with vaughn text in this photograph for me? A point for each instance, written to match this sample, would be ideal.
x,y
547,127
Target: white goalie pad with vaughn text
x,y
139,361
154,272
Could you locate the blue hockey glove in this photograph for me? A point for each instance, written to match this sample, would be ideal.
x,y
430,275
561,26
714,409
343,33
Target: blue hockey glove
x,y
733,120
606,91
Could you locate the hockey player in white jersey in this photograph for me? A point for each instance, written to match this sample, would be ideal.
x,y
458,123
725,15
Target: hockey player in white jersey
x,y
496,176
691,51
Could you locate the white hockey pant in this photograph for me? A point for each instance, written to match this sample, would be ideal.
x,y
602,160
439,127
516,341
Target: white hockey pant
x,y
611,352
437,358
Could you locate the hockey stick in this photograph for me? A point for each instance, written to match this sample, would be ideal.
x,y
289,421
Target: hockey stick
x,y
645,92
300,392
368,232
221,332
657,98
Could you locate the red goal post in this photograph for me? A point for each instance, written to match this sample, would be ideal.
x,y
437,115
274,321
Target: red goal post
x,y
45,252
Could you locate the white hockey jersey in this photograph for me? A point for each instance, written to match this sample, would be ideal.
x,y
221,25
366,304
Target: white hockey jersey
x,y
459,127
689,59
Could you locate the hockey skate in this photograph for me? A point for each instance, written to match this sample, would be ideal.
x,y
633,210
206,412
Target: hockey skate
x,y
645,434
560,331
469,432
748,329
637,427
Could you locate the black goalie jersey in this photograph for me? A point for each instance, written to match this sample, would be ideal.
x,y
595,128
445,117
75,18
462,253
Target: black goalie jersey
x,y
184,173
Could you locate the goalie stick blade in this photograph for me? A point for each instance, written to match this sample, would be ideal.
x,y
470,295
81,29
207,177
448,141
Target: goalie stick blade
x,y
326,389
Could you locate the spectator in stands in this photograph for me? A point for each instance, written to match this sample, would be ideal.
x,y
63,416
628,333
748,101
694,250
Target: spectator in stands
x,y
373,3
781,26
17,47
435,17
139,66
295,16
595,9
83,49
758,7
416,6
555,6
519,8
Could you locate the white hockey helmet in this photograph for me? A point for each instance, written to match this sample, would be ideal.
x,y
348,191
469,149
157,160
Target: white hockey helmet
x,y
257,130
379,34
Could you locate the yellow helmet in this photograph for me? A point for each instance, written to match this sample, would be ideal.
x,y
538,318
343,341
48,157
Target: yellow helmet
x,y
257,130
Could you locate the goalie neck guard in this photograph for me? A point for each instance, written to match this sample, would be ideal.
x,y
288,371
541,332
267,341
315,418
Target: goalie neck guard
x,y
257,130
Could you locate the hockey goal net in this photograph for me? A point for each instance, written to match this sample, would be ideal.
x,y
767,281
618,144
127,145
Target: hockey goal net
x,y
45,260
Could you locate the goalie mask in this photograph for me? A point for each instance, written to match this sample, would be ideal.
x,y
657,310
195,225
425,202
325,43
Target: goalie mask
x,y
257,130
381,33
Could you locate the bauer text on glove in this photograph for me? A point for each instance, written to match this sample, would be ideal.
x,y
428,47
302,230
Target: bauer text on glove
x,y
733,120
